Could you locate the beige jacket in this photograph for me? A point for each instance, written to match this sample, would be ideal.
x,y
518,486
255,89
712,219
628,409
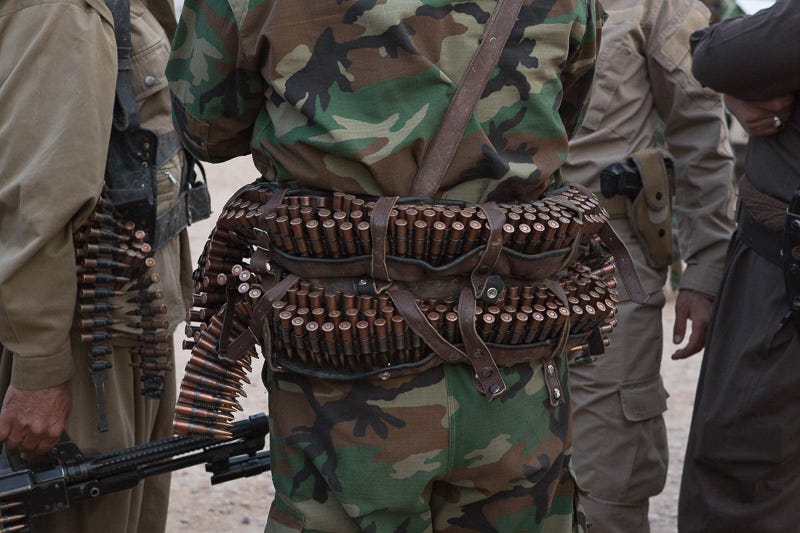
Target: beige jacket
x,y
643,74
57,80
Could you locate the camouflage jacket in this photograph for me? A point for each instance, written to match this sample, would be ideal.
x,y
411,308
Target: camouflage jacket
x,y
347,95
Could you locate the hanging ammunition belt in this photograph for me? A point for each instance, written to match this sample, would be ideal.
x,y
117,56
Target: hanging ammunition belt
x,y
117,300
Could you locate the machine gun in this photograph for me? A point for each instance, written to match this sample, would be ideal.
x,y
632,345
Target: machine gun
x,y
67,477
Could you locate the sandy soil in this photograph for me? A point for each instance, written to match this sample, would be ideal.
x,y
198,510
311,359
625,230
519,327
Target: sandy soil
x,y
241,506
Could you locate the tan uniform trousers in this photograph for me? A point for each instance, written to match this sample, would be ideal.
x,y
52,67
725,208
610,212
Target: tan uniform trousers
x,y
133,419
620,441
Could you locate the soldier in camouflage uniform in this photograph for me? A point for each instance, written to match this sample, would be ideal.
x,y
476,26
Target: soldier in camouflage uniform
x,y
346,96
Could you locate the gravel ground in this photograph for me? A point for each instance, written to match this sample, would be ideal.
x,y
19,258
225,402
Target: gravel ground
x,y
241,506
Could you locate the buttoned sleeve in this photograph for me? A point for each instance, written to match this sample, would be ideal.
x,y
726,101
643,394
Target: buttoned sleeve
x,y
216,92
57,76
697,137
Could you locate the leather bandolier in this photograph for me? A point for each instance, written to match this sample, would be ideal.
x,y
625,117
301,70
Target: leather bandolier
x,y
115,245
345,287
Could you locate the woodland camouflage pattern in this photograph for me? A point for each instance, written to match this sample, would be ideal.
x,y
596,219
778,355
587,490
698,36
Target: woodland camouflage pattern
x,y
466,464
353,98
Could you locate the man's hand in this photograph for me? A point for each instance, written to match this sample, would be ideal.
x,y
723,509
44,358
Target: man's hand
x,y
33,420
694,306
761,118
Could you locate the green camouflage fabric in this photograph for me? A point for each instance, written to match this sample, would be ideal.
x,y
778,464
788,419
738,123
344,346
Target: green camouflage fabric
x,y
347,95
722,9
420,454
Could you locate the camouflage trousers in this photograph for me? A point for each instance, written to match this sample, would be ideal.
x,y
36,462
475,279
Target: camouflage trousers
x,y
420,454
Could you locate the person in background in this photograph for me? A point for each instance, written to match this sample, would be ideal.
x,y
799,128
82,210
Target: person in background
x,y
722,9
741,471
644,80
58,87
346,97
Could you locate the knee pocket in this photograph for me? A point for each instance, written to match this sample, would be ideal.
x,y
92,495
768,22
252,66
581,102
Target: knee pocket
x,y
643,404
283,519
643,400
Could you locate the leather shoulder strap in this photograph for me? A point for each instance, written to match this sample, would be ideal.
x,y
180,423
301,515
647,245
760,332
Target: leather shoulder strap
x,y
443,146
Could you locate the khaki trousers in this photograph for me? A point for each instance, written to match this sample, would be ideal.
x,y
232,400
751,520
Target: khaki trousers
x,y
133,419
620,441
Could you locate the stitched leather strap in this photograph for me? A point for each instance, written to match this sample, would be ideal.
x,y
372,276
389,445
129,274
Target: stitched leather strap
x,y
443,146
624,263
494,246
487,376
379,225
251,336
405,303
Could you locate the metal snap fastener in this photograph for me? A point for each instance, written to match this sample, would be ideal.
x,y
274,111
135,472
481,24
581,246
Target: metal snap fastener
x,y
492,293
551,369
556,393
486,372
385,375
494,389
149,81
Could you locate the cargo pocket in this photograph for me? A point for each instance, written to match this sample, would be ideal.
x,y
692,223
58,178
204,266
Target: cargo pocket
x,y
643,403
642,400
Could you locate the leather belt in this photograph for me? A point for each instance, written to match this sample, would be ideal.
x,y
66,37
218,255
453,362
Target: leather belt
x,y
762,240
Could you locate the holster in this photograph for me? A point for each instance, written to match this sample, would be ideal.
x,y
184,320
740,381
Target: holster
x,y
650,213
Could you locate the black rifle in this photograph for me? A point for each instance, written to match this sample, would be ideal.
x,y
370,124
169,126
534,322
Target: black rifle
x,y
67,477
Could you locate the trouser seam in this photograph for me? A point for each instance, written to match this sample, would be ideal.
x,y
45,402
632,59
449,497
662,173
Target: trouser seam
x,y
451,423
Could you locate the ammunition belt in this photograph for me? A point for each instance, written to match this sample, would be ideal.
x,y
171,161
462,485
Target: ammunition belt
x,y
308,233
341,336
118,301
340,287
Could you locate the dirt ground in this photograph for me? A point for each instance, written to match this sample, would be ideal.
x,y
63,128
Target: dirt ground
x,y
241,506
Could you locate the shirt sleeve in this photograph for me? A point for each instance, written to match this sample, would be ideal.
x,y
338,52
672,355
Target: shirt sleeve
x,y
216,92
753,58
696,135
578,75
57,95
